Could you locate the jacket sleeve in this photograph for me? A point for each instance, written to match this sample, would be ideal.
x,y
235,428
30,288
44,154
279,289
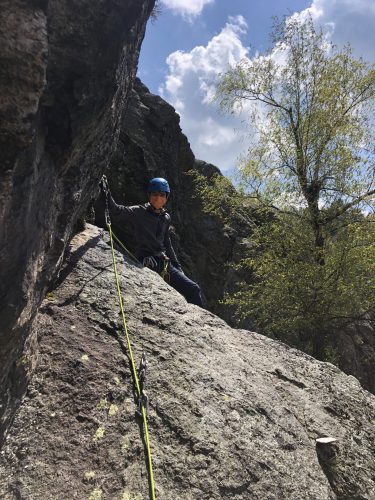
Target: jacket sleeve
x,y
120,213
170,250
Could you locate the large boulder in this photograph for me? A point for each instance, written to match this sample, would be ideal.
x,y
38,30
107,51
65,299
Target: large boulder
x,y
66,69
232,414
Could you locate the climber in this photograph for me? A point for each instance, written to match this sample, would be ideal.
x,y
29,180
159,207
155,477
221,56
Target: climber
x,y
151,224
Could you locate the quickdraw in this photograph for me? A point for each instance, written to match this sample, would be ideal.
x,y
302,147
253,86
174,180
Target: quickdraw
x,y
143,398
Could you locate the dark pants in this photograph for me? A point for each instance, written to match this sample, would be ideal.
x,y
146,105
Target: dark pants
x,y
184,285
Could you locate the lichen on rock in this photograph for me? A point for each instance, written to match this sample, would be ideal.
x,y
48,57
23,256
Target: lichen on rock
x,y
232,414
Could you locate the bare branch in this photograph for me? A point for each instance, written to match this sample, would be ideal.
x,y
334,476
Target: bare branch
x,y
351,204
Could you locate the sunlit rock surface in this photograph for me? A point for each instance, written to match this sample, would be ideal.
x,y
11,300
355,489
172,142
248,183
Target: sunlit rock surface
x,y
232,414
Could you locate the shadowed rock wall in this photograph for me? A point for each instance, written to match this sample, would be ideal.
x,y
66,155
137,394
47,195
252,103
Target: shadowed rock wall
x,y
152,144
66,69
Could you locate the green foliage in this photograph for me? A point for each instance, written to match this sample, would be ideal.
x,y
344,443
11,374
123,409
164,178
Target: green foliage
x,y
293,295
314,137
216,194
312,163
331,354
220,199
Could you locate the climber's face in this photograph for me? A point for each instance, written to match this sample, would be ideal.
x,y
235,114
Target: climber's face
x,y
158,199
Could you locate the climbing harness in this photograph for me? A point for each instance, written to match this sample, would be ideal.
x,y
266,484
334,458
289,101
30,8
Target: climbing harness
x,y
150,262
161,266
139,380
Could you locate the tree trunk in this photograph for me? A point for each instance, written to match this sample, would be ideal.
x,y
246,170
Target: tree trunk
x,y
312,196
319,243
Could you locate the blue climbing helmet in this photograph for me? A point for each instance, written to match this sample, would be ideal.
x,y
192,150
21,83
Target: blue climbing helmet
x,y
158,184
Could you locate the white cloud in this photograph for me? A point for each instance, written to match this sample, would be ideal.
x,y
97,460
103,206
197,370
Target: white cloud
x,y
186,8
190,85
347,21
190,82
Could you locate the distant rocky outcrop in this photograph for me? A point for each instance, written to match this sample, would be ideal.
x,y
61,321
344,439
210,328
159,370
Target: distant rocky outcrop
x,y
232,414
66,69
353,349
152,144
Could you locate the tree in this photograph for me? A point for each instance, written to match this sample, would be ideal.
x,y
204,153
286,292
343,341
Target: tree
x,y
312,163
314,134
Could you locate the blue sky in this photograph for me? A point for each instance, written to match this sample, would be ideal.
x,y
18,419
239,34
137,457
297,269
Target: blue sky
x,y
194,40
175,31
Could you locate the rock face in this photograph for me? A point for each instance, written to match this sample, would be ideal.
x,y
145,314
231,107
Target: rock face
x,y
66,69
355,349
152,144
232,414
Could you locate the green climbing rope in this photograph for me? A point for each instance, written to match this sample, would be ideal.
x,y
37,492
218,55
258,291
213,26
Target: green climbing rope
x,y
135,375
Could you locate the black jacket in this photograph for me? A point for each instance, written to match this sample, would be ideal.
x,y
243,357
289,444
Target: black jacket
x,y
151,229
